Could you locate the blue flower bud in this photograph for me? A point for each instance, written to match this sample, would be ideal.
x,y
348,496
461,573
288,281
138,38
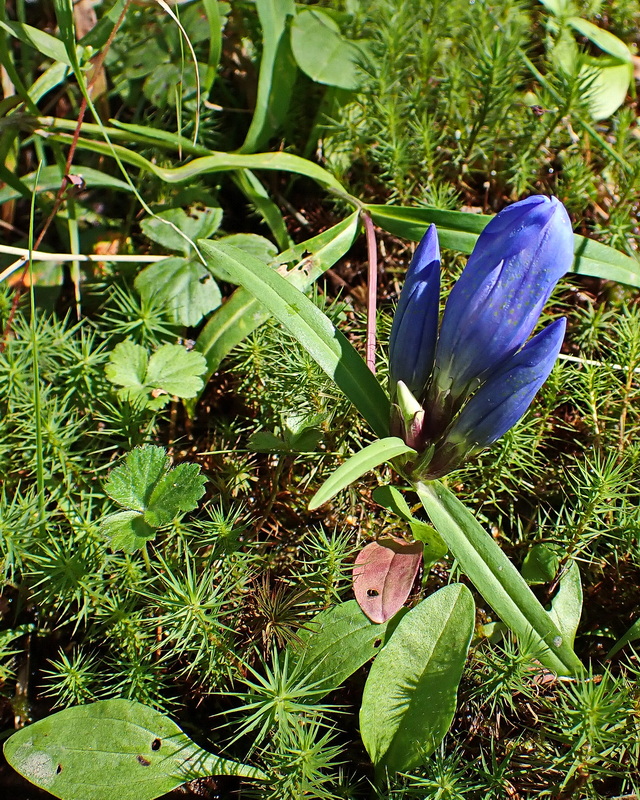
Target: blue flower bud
x,y
412,343
493,308
503,399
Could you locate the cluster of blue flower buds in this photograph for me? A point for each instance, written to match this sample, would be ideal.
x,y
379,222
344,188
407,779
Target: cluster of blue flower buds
x,y
460,388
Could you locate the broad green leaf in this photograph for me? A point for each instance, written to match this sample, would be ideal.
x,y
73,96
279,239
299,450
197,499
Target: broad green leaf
x,y
566,606
410,695
313,330
266,442
152,493
605,40
178,491
383,575
128,366
182,286
51,178
176,370
608,86
113,748
495,577
199,223
371,456
322,53
126,530
458,230
630,636
337,642
131,484
541,565
277,73
204,165
172,369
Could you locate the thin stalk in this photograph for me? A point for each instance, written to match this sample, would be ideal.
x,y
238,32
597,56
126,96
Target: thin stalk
x,y
372,291
36,371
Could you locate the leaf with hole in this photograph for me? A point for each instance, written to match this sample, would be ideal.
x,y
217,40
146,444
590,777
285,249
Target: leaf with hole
x,y
113,748
383,575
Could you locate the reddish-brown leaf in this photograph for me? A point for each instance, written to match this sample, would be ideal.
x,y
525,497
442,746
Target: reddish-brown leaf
x,y
383,575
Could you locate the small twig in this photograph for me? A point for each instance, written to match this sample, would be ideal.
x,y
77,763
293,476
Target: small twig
x,y
372,291
591,363
39,255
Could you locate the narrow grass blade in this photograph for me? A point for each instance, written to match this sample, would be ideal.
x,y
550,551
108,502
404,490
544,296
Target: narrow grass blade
x,y
496,578
630,636
216,162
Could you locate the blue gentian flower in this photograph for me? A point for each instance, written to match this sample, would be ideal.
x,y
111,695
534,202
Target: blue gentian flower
x,y
472,381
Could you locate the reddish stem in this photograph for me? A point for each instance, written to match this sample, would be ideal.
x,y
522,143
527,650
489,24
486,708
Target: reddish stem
x,y
372,291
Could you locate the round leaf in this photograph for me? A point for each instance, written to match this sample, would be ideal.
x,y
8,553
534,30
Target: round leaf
x,y
322,53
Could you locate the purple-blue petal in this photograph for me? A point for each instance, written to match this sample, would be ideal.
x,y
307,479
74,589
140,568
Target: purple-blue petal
x,y
508,393
414,332
492,309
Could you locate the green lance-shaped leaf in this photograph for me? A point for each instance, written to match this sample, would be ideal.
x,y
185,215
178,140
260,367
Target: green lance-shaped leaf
x,y
113,748
495,577
410,695
277,73
337,642
458,230
243,313
370,457
313,330
216,161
